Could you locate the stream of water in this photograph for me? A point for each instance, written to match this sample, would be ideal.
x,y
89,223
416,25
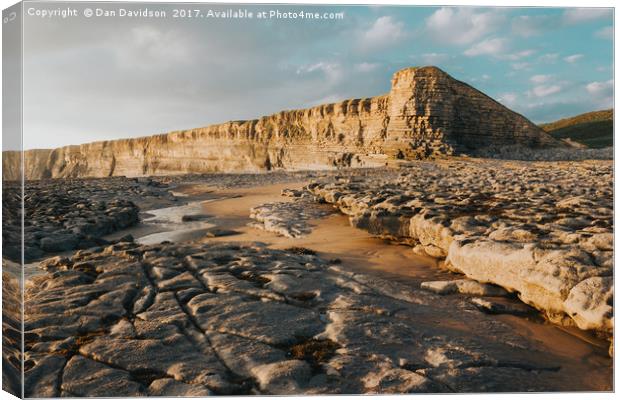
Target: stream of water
x,y
171,226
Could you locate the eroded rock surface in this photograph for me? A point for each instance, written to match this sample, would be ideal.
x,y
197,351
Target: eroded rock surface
x,y
11,328
543,230
74,213
289,219
199,319
463,286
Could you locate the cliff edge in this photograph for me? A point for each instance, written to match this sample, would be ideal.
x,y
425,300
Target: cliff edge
x,y
426,114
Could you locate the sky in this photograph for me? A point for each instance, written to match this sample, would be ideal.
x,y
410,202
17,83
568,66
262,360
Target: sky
x,y
98,78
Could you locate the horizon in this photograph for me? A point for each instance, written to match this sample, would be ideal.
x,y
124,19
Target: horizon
x,y
90,80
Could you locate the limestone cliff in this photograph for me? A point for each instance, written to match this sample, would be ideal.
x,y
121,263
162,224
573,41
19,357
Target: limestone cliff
x,y
426,113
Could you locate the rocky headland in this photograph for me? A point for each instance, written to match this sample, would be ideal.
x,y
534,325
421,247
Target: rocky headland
x,y
426,114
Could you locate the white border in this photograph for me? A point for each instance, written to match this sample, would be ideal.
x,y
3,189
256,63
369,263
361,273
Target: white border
x,y
487,3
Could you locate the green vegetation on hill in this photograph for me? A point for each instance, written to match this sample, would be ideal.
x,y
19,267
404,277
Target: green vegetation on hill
x,y
594,129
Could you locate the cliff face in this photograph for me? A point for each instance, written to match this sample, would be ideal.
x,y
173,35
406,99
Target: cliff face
x,y
426,113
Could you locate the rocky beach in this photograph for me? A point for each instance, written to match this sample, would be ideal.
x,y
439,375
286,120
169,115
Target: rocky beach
x,y
351,281
429,240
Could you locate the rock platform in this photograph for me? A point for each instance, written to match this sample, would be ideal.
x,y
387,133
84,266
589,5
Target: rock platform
x,y
201,319
205,317
541,230
64,215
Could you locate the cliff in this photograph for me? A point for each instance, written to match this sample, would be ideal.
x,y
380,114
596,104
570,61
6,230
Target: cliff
x,y
426,113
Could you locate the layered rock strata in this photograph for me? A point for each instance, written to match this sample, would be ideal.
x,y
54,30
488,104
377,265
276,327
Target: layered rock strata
x,y
544,231
201,319
427,113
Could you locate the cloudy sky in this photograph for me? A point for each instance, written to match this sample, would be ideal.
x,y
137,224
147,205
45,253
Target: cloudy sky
x,y
106,78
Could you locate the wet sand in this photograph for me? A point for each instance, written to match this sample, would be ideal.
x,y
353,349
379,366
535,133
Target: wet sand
x,y
332,237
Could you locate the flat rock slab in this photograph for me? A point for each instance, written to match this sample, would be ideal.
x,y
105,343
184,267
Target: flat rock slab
x,y
224,319
218,232
69,214
288,219
502,307
171,388
83,377
463,286
273,322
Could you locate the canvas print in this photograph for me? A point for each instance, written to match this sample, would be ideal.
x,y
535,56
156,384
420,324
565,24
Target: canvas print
x,y
294,199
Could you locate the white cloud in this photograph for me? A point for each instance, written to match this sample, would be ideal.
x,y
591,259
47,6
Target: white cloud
x,y
492,47
579,15
508,99
549,57
605,88
573,58
531,25
150,48
602,93
540,78
433,58
520,66
366,66
332,71
605,33
462,26
482,78
385,31
518,55
545,90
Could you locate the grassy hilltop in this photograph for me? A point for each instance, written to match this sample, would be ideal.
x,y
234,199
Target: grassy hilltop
x,y
594,129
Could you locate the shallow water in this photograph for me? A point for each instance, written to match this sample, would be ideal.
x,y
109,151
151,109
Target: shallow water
x,y
158,225
169,224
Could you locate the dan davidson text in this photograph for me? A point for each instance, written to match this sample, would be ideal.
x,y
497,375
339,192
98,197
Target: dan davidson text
x,y
137,13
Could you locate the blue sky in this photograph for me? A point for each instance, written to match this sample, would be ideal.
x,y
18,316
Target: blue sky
x,y
96,79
